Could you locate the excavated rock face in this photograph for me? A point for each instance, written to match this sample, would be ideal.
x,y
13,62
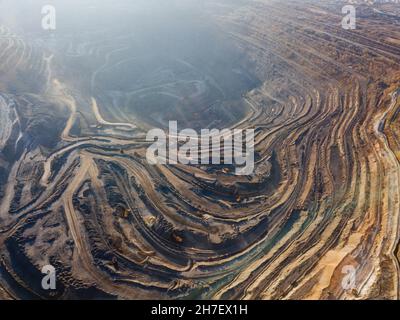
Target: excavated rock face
x,y
77,191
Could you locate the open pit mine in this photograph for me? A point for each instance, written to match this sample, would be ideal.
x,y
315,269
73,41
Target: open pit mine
x,y
317,218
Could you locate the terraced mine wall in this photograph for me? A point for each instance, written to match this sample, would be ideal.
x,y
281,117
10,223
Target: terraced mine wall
x,y
77,193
